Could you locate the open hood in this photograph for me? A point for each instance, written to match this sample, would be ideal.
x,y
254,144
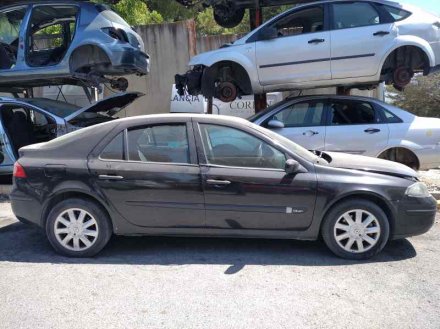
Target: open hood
x,y
359,162
108,106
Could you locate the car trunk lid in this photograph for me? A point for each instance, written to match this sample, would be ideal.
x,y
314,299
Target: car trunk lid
x,y
108,106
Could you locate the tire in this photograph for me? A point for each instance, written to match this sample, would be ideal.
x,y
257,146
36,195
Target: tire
x,y
72,241
338,231
227,15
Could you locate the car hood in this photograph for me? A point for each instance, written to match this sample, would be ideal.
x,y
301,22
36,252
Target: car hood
x,y
109,105
359,162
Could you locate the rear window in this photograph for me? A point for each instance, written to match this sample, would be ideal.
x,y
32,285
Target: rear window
x,y
397,13
113,17
60,109
115,149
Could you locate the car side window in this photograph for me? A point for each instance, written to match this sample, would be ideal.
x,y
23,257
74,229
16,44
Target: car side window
x,y
51,32
115,149
391,117
354,14
159,143
305,114
308,20
398,14
352,113
232,147
10,25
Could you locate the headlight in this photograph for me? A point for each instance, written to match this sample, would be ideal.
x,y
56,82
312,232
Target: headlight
x,y
417,190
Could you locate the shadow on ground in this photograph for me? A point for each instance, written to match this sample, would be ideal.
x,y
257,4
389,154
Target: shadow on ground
x,y
28,244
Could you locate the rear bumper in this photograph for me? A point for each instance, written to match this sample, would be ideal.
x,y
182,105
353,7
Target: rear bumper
x,y
415,216
25,204
129,61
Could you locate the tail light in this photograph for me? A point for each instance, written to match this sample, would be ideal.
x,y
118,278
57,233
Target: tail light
x,y
19,171
116,34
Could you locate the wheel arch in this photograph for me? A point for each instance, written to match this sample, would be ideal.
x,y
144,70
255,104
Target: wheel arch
x,y
403,147
64,194
89,53
241,75
411,41
374,197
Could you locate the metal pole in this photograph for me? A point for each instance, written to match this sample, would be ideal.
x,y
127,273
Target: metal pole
x,y
255,20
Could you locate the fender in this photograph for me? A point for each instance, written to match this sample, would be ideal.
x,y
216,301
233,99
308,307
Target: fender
x,y
408,40
246,60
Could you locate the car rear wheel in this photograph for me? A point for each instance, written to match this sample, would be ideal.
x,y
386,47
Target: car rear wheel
x,y
78,228
356,229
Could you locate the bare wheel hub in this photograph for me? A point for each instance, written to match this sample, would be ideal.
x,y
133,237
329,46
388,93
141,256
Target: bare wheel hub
x,y
226,92
402,76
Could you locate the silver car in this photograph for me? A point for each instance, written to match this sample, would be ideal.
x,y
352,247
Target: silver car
x,y
64,42
356,125
327,43
35,120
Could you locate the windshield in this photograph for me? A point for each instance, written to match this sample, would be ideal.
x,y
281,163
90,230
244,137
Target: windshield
x,y
60,109
288,144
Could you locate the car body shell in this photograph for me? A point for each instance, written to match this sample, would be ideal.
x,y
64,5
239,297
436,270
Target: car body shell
x,y
175,199
125,57
417,134
347,57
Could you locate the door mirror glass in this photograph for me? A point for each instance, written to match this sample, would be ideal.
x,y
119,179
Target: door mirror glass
x,y
291,167
276,124
268,33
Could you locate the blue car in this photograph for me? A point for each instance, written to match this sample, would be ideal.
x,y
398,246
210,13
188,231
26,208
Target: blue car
x,y
66,42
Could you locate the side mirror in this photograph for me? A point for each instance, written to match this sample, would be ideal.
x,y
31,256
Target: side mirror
x,y
291,167
268,33
274,123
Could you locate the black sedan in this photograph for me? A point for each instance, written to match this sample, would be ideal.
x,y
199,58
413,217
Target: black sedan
x,y
197,175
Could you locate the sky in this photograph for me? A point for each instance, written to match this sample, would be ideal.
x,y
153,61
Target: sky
x,y
429,5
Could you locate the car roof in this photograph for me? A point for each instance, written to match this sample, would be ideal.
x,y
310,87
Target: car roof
x,y
12,3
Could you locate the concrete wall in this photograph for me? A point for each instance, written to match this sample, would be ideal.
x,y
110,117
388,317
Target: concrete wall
x,y
170,47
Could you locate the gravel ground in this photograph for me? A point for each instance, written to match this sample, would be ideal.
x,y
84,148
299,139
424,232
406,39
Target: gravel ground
x,y
215,283
432,179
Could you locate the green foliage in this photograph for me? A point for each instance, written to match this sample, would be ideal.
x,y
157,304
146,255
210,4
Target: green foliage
x,y
136,12
141,12
422,97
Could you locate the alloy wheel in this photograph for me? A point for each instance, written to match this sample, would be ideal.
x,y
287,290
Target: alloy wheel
x,y
357,231
76,229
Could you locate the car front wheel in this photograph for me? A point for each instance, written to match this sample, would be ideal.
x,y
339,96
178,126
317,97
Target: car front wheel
x,y
78,228
356,229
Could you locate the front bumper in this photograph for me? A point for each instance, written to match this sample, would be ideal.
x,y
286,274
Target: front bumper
x,y
414,216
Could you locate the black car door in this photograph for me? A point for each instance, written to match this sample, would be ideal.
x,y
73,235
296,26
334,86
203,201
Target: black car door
x,y
149,173
245,184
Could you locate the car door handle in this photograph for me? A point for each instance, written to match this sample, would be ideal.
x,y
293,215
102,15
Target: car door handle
x,y
316,40
381,33
310,133
110,177
217,182
372,130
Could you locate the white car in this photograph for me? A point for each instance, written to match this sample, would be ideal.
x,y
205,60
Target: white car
x,y
327,43
357,125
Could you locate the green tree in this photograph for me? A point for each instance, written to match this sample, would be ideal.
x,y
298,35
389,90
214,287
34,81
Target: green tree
x,y
421,97
136,12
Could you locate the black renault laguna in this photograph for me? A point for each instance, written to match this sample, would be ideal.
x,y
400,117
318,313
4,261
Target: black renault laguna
x,y
197,175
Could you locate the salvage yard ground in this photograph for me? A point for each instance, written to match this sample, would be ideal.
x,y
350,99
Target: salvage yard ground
x,y
215,283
